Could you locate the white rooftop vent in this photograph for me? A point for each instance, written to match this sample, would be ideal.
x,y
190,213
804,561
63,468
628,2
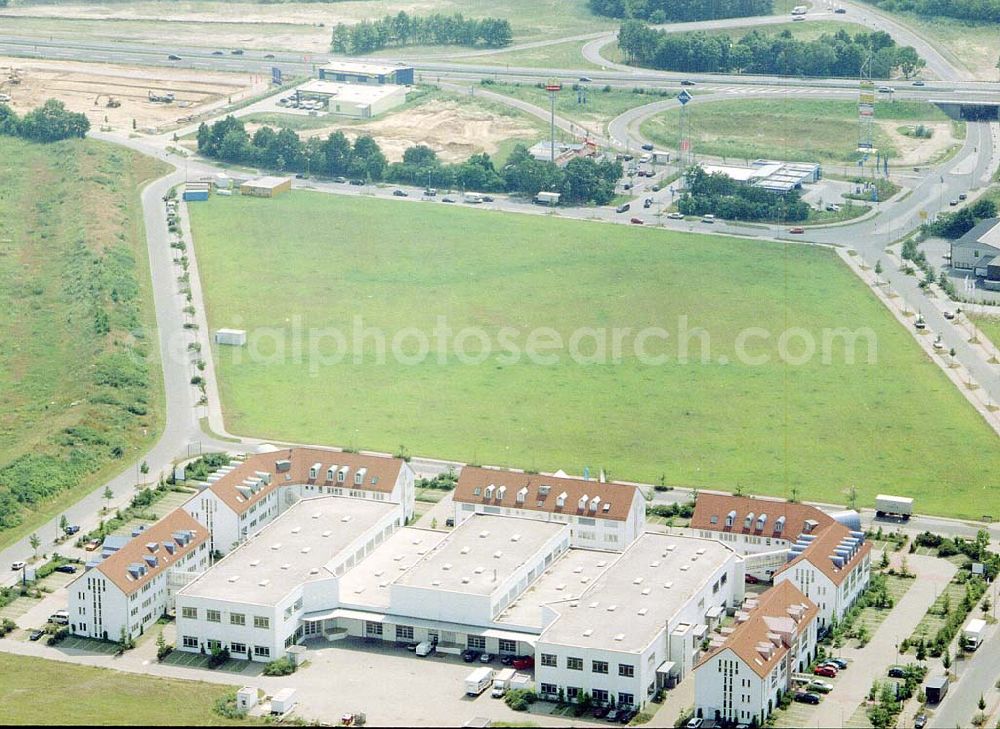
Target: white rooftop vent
x,y
578,569
345,518
276,546
655,563
436,583
584,580
484,533
701,550
637,581
306,550
497,554
233,578
314,570
478,570
296,530
515,537
619,636
667,585
264,583
446,566
398,557
685,567
286,566
316,515
594,604
254,563
671,547
643,611
465,580
645,591
612,608
465,550
327,533
561,586
588,632
602,563
359,589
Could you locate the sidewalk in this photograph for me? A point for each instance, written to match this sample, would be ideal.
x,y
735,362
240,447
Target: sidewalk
x,y
871,662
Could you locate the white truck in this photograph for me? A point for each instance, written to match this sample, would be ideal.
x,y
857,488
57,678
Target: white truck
x,y
547,198
972,634
893,506
799,10
478,681
501,682
473,197
424,648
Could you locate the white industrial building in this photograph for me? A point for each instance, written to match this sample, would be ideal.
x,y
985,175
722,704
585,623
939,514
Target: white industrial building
x,y
135,585
359,101
238,500
600,515
638,626
749,665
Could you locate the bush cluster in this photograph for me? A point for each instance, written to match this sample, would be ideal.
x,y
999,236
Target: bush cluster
x,y
279,667
50,122
437,29
720,195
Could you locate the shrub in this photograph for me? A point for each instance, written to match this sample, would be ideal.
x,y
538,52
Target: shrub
x,y
219,656
520,699
279,667
58,635
225,706
7,626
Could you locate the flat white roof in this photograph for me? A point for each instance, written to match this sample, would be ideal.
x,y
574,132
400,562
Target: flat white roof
x,y
740,174
350,93
267,181
293,549
480,554
367,583
638,594
360,67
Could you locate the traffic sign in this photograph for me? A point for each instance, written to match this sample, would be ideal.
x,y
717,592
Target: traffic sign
x,y
684,97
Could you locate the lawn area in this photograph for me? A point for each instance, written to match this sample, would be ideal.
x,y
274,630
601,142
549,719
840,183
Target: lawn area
x,y
872,617
80,387
808,31
800,130
989,325
556,55
928,626
765,427
99,696
592,108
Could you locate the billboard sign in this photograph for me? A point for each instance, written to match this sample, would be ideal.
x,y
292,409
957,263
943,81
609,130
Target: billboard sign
x,y
276,75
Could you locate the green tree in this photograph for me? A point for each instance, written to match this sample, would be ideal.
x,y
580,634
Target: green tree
x,y
144,468
108,495
946,659
63,523
982,703
35,543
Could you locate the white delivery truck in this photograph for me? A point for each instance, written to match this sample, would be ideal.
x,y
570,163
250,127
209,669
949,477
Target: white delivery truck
x,y
478,681
547,198
893,506
501,682
972,634
473,197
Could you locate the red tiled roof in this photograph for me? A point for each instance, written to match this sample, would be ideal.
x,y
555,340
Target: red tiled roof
x,y
718,506
822,547
543,493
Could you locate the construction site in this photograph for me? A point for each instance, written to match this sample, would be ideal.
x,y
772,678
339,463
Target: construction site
x,y
119,97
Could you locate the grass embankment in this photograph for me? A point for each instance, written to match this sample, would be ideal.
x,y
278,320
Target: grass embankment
x,y
567,55
80,382
84,695
796,130
769,427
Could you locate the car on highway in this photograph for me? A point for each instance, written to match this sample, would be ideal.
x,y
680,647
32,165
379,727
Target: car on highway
x,y
840,11
36,634
826,671
797,230
953,202
237,51
949,315
676,216
585,79
400,193
963,196
919,82
824,687
357,181
66,569
173,57
19,565
447,200
623,208
886,89
216,53
269,55
685,82
807,697
920,323
635,221
71,529
648,147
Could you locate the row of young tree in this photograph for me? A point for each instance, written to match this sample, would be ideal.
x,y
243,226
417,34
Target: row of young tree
x,y
583,180
670,11
50,122
432,30
722,196
976,10
832,54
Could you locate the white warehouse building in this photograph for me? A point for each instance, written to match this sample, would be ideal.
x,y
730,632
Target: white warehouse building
x,y
134,586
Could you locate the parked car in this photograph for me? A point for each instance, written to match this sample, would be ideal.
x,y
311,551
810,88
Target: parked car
x,y
953,202
840,11
920,323
685,82
486,658
585,79
824,687
66,569
447,200
506,660
635,221
963,196
524,663
600,712
627,186
648,147
340,179
613,715
92,545
36,634
807,697
828,671
19,565
897,672
626,716
797,230
749,579
694,722
676,216
832,207
920,721
839,663
237,51
450,521
655,188
628,157
647,203
487,198
60,617
708,218
919,82
623,208
400,193
300,176
469,655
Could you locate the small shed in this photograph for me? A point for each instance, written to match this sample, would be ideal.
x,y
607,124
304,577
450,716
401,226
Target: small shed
x,y
266,186
222,181
231,337
283,701
246,698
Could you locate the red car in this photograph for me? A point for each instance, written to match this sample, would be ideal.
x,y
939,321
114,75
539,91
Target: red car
x,y
524,663
636,221
828,671
797,230
751,580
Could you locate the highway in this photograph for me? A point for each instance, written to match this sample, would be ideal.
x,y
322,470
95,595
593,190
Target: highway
x,y
183,434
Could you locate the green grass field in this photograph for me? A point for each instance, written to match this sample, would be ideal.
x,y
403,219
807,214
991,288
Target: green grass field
x,y
816,427
74,303
557,55
810,30
988,325
39,691
797,129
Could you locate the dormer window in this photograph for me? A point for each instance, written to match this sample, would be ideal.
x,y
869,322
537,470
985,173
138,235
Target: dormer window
x,y
779,525
331,473
582,503
730,518
359,477
748,520
314,471
489,491
594,503
522,494
501,490
561,500
342,474
761,521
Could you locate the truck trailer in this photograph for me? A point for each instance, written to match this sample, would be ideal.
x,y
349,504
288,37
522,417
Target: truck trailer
x,y
478,681
893,506
547,198
972,634
936,689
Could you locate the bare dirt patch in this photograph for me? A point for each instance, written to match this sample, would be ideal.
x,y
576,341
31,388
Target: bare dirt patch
x,y
89,88
455,131
913,151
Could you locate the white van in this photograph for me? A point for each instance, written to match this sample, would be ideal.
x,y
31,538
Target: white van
x,y
425,648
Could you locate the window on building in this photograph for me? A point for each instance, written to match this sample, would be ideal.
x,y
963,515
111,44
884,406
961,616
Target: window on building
x,y
574,664
476,642
213,616
625,699
599,666
189,641
572,692
404,632
626,669
261,621
548,689
237,648
600,696
213,645
189,613
507,646
237,619
262,651
372,628
549,659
